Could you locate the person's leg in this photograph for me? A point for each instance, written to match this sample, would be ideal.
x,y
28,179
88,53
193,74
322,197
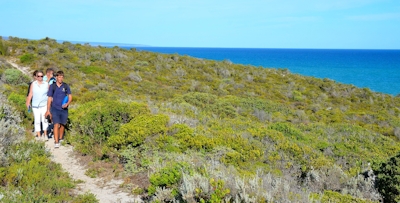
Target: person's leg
x,y
36,119
56,131
56,116
64,118
61,131
44,121
50,130
33,124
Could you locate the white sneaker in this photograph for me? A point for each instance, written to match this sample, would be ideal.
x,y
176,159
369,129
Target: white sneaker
x,y
46,138
56,145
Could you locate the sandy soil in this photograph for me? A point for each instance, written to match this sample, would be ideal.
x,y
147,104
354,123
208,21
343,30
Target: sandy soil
x,y
106,191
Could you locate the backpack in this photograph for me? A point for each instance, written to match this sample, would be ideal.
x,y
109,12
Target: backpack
x,y
52,80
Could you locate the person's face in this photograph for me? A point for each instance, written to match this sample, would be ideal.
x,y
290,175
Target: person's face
x,y
39,76
60,78
50,73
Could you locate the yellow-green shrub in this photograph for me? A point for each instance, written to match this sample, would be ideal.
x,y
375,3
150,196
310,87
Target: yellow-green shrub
x,y
34,175
182,137
27,58
335,197
167,177
94,122
136,131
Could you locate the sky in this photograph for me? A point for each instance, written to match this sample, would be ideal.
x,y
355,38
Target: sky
x,y
325,24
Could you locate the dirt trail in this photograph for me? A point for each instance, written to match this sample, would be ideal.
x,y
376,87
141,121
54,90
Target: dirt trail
x,y
25,69
106,191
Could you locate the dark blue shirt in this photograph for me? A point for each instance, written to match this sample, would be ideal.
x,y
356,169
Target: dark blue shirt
x,y
59,94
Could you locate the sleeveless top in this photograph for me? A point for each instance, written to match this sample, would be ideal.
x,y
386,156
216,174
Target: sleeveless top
x,y
39,98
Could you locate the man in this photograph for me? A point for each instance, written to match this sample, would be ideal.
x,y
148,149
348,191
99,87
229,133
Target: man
x,y
49,78
57,111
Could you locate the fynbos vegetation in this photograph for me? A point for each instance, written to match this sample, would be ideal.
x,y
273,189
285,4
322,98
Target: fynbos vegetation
x,y
26,172
194,130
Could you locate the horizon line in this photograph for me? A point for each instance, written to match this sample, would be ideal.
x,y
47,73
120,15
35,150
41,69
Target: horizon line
x,y
111,44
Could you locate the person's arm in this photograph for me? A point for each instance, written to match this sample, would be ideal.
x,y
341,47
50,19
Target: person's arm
x,y
29,97
49,100
69,98
69,101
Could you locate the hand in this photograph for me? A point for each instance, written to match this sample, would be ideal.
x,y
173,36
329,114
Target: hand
x,y
64,106
47,113
28,106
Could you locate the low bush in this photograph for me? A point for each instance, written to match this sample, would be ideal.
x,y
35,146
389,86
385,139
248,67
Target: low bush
x,y
94,122
138,129
10,130
335,197
14,77
3,48
388,179
167,177
27,58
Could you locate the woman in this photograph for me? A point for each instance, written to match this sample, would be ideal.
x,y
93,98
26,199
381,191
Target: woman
x,y
38,96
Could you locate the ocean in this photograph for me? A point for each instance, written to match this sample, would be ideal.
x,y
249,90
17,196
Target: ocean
x,y
378,70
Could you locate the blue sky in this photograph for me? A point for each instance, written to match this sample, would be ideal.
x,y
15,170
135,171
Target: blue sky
x,y
348,24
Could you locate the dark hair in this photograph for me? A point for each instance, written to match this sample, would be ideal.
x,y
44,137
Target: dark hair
x,y
60,73
34,73
49,69
39,71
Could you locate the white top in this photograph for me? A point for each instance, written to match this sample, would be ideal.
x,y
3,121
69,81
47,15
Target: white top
x,y
39,98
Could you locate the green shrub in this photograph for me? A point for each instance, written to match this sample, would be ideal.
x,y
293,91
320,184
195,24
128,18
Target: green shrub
x,y
17,99
93,70
86,198
202,100
183,138
167,177
14,77
224,109
138,129
96,121
219,191
335,197
288,130
27,58
35,177
3,49
388,179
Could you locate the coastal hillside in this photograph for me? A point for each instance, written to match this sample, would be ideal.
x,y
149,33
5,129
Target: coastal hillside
x,y
194,130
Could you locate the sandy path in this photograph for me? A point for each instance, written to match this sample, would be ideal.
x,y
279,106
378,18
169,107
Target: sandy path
x,y
24,70
106,191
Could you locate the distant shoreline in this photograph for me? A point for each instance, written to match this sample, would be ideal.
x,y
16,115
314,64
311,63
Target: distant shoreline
x,y
112,44
377,69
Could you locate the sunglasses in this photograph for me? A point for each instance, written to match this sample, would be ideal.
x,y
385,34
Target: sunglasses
x,y
39,76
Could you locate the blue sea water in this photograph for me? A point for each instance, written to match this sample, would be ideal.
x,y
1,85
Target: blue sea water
x,y
378,70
